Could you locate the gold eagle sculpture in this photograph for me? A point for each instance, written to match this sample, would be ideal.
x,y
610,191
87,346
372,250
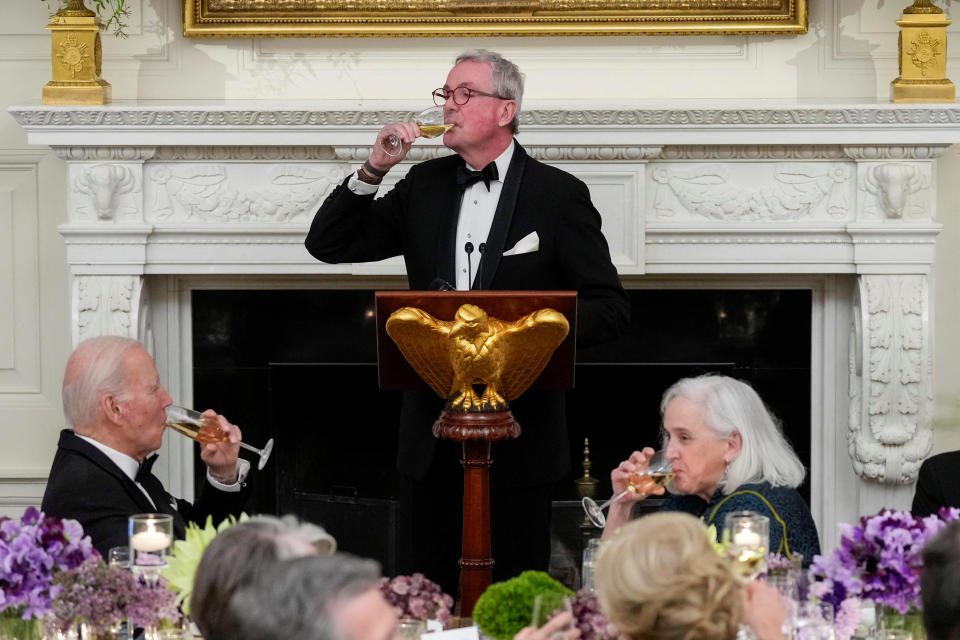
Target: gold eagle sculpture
x,y
476,349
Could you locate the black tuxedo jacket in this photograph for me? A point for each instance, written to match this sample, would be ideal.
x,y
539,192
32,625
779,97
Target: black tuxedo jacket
x,y
418,220
938,484
85,485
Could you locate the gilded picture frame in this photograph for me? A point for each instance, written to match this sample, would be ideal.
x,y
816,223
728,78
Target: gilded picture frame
x,y
450,18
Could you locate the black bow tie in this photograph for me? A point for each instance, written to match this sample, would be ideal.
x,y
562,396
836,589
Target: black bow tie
x,y
465,177
146,467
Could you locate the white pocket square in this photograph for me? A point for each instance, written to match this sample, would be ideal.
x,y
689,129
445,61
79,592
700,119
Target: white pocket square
x,y
526,244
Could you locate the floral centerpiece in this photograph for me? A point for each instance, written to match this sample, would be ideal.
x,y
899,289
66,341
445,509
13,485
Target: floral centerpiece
x,y
100,597
506,607
32,550
781,565
879,560
589,618
417,597
182,566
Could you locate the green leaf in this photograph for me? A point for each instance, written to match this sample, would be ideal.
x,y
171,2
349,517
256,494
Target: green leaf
x,y
182,565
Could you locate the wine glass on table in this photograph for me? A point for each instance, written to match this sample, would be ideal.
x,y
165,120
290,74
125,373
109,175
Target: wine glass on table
x,y
431,125
747,535
207,430
658,472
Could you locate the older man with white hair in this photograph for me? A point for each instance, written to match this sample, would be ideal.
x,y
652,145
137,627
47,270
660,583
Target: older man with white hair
x,y
101,474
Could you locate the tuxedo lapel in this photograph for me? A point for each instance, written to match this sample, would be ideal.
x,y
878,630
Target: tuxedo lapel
x,y
448,202
501,220
70,440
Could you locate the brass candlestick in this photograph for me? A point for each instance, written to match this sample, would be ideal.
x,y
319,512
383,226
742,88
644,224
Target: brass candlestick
x,y
76,55
586,488
922,59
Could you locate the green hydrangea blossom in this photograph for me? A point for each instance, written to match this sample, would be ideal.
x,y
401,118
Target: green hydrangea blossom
x,y
506,607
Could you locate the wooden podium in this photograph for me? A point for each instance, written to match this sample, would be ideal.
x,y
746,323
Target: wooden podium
x,y
479,429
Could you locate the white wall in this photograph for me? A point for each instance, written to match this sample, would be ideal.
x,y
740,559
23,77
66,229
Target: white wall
x,y
849,54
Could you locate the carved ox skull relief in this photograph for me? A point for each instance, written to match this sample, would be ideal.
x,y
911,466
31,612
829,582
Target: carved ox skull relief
x,y
891,183
104,183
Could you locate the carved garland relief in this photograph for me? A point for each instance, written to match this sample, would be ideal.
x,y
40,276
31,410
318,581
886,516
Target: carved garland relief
x,y
211,193
794,191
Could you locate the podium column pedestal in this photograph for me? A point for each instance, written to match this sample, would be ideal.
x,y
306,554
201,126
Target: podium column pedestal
x,y
476,431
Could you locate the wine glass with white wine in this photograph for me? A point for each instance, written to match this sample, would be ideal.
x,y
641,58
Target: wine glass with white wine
x,y
207,430
431,125
659,471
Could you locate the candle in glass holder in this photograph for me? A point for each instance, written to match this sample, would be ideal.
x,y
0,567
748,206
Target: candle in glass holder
x,y
150,540
747,538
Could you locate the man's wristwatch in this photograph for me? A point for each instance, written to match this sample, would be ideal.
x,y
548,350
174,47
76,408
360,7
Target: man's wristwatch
x,y
370,174
363,176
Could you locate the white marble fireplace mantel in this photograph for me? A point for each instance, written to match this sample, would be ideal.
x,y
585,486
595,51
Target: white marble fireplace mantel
x,y
837,198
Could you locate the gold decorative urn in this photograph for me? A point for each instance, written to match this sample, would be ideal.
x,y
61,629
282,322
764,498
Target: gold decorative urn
x,y
76,56
923,56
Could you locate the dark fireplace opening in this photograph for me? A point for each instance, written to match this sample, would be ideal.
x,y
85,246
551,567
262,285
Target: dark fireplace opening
x,y
300,366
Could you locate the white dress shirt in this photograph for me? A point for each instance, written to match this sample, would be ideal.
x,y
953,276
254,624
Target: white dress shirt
x,y
130,466
477,209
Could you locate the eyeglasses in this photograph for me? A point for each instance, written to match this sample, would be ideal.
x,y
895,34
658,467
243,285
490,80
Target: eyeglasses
x,y
461,95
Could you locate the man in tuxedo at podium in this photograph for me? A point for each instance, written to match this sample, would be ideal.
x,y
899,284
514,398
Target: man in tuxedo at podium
x,y
101,473
490,217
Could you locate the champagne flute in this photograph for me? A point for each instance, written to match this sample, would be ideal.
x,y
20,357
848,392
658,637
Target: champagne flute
x,y
431,125
207,430
748,537
659,471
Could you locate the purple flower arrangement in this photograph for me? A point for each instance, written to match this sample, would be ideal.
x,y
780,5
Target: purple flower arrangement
x,y
589,618
878,560
32,550
417,597
102,596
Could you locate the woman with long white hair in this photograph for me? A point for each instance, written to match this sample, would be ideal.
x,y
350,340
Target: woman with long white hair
x,y
728,454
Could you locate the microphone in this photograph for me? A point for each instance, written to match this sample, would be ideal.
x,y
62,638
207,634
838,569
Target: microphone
x,y
439,284
469,249
482,249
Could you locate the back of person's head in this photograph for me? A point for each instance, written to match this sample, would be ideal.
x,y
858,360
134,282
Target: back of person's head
x,y
96,367
940,584
238,555
506,77
298,598
730,405
659,578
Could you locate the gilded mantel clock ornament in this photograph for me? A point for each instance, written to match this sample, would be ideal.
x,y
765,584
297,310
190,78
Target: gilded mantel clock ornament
x,y
922,58
76,58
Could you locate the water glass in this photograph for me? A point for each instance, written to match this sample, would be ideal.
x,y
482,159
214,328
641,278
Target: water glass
x,y
410,629
547,605
119,557
894,634
811,620
814,630
590,554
